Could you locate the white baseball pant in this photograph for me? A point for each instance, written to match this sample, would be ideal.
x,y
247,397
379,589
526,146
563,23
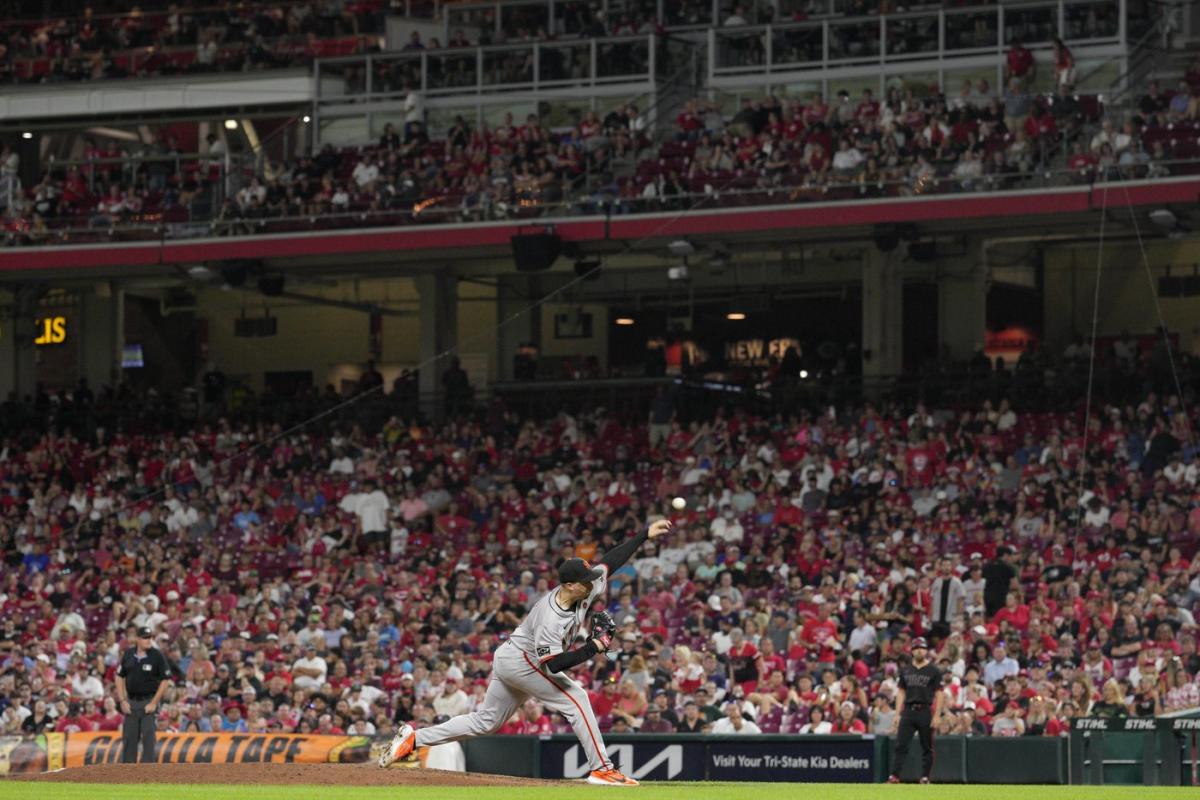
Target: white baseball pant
x,y
515,677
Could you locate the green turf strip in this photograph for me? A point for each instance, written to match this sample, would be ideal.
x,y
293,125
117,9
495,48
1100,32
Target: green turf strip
x,y
15,790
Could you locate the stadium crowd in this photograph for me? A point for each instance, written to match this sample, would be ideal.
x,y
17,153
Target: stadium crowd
x,y
183,38
74,41
976,137
349,575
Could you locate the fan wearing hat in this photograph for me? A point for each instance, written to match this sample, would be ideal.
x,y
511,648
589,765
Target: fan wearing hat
x,y
532,663
920,701
141,681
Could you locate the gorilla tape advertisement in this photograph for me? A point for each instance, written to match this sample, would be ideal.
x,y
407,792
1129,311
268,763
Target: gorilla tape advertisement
x,y
19,754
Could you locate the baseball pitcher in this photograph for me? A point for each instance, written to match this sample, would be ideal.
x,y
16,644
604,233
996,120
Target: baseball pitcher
x,y
534,662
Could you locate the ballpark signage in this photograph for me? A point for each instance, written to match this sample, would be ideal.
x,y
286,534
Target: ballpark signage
x,y
797,761
653,761
85,749
1135,724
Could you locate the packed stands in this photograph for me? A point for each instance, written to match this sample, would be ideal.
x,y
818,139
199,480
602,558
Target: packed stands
x,y
973,138
184,38
361,571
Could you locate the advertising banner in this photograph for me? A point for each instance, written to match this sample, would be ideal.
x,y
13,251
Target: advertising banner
x,y
644,761
797,760
1136,724
24,754
84,749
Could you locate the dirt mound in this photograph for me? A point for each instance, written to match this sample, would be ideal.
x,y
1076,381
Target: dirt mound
x,y
278,775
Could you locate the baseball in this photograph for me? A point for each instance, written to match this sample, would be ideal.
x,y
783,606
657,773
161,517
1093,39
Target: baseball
x,y
679,504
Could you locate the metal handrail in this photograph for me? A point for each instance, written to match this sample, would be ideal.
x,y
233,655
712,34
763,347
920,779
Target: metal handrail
x,y
368,63
768,33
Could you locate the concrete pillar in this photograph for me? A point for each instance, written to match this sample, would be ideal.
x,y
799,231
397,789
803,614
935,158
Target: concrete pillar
x,y
883,313
518,323
101,323
18,357
962,313
438,313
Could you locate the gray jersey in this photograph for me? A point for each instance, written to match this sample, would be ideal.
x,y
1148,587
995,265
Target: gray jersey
x,y
548,629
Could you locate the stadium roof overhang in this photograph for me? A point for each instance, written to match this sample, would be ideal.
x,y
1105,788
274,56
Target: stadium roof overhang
x,y
414,249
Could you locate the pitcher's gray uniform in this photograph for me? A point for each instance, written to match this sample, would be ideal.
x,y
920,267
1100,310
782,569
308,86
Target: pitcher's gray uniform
x,y
533,661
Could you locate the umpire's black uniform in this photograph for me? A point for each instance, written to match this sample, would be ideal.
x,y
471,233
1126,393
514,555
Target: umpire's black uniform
x,y
143,669
919,686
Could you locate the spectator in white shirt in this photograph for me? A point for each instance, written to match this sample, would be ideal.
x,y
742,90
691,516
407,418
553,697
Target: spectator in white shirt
x,y
309,672
365,174
847,158
738,17
206,52
1001,665
817,724
727,528
863,638
371,507
342,464
84,685
452,701
733,722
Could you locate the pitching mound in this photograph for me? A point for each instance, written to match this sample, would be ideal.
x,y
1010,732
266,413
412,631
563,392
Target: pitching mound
x,y
278,775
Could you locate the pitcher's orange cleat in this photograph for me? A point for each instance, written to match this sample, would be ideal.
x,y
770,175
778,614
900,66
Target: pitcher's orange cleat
x,y
610,777
401,746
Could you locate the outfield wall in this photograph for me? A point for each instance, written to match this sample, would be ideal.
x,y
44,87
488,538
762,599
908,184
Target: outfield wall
x,y
1150,751
770,757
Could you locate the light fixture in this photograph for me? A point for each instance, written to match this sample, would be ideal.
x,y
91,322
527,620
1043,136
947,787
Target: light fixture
x,y
27,135
199,272
231,124
624,320
803,374
679,273
306,119
680,248
736,316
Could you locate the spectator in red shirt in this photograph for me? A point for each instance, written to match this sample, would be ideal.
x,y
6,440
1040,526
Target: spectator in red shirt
x,y
1015,613
605,699
1019,63
847,720
868,108
821,633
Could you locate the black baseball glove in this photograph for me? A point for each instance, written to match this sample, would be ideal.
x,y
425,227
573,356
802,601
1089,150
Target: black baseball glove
x,y
603,629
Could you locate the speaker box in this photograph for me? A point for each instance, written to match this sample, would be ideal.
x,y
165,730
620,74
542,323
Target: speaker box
x,y
536,251
271,285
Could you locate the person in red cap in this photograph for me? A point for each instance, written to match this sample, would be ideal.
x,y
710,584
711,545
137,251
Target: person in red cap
x,y
920,701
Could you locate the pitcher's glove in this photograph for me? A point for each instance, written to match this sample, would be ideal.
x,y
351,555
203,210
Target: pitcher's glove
x,y
603,629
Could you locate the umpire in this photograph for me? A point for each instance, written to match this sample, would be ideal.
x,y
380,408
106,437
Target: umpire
x,y
141,681
919,699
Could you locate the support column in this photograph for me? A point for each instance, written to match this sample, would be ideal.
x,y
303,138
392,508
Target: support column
x,y
883,314
518,323
8,350
438,331
101,326
18,357
962,317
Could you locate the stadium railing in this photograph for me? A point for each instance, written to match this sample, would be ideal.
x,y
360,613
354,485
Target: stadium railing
x,y
531,66
890,38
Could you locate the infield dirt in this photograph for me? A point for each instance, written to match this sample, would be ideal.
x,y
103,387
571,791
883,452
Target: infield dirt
x,y
279,775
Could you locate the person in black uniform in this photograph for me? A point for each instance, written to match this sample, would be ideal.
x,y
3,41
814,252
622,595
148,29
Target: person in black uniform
x,y
920,700
141,681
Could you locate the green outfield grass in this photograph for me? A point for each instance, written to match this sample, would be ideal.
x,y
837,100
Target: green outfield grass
x,y
652,791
